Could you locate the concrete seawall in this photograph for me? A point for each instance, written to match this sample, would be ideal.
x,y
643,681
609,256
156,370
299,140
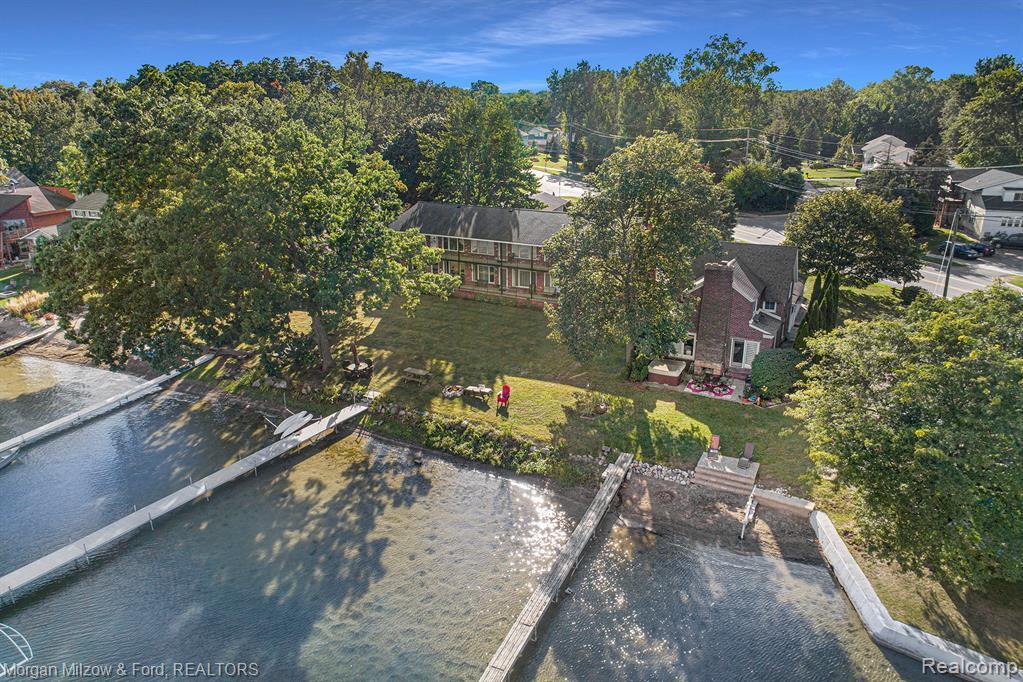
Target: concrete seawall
x,y
886,631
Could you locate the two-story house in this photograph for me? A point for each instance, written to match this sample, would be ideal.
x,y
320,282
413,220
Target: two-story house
x,y
87,207
747,300
991,200
26,207
886,149
496,252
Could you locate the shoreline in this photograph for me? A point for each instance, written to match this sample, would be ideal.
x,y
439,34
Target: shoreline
x,y
700,514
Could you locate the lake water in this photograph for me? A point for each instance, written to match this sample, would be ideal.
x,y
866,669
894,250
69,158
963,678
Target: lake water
x,y
348,562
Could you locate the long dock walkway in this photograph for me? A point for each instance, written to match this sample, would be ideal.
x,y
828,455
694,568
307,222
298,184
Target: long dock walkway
x,y
55,561
522,629
108,405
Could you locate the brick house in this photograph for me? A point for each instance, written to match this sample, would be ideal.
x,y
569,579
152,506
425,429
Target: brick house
x,y
26,207
747,300
495,251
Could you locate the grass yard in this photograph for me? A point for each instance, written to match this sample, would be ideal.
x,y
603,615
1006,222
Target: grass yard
x,y
468,342
987,622
831,173
1015,279
25,278
935,242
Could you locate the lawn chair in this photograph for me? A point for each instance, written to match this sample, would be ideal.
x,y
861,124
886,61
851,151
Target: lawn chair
x,y
747,456
503,396
715,444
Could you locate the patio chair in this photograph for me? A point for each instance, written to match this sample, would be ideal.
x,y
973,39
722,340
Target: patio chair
x,y
503,396
715,444
747,456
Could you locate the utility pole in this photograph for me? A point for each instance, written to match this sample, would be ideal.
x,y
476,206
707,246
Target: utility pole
x,y
950,248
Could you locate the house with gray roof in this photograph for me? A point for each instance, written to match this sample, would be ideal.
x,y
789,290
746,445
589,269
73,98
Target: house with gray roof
x,y
748,299
497,252
991,200
89,206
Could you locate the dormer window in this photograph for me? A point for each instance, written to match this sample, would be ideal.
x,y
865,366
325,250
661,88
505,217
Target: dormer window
x,y
770,306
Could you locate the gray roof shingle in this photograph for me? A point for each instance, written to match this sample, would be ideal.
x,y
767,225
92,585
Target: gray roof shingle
x,y
511,225
988,179
94,201
773,266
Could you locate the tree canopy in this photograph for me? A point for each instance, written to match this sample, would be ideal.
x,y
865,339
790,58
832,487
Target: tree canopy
x,y
625,260
858,235
231,210
478,158
922,413
764,187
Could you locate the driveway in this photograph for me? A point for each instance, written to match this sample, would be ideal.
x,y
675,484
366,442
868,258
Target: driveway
x,y
560,186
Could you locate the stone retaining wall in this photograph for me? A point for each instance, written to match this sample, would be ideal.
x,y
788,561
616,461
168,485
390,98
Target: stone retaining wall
x,y
946,657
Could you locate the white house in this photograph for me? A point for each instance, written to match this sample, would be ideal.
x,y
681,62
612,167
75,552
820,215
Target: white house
x,y
885,149
992,201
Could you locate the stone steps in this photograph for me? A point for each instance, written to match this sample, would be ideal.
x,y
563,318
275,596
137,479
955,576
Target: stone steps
x,y
723,482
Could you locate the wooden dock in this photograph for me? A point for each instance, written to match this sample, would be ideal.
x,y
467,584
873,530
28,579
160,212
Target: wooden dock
x,y
524,627
69,554
108,405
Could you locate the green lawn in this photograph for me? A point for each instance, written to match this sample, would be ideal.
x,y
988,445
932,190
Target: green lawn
x,y
935,242
834,173
1015,279
468,342
26,279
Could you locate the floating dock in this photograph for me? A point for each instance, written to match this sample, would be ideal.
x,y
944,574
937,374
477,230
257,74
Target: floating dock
x,y
524,627
108,405
69,554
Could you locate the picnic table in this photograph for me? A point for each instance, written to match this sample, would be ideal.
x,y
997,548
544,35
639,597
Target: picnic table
x,y
478,391
420,376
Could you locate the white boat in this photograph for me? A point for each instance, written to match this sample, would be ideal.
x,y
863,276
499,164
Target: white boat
x,y
8,457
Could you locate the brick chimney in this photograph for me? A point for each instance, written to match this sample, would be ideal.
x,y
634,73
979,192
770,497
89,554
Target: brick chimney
x,y
712,336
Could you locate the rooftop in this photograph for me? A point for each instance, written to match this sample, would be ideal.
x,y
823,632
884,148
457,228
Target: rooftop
x,y
509,225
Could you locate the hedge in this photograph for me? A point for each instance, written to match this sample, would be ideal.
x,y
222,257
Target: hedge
x,y
775,371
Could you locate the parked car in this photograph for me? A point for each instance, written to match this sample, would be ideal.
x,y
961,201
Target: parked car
x,y
964,251
983,248
1012,241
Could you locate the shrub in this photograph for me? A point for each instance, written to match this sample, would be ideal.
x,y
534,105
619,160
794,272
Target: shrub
x,y
763,187
911,292
775,371
26,303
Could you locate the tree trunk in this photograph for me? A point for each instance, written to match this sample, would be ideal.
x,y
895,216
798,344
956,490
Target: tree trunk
x,y
322,343
630,348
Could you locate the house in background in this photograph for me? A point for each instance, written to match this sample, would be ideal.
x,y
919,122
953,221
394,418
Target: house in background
x,y
747,300
991,200
550,202
495,252
88,207
538,137
886,149
26,207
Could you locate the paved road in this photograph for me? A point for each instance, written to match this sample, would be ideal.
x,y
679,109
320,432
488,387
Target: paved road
x,y
559,186
966,276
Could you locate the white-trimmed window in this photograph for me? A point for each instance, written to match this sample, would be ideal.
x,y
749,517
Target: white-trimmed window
x,y
686,348
522,279
522,251
484,274
770,306
743,352
482,247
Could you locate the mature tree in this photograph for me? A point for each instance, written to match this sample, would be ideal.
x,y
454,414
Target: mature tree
x,y
231,210
478,158
723,85
988,129
405,153
45,119
857,235
923,414
525,105
845,151
906,105
764,187
626,257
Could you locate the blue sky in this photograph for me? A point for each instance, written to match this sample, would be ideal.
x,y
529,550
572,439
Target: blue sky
x,y
512,43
